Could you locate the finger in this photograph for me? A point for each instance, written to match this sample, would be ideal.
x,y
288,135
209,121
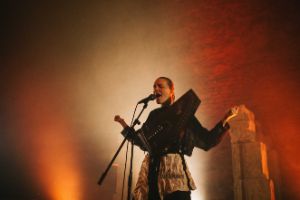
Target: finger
x,y
116,117
235,109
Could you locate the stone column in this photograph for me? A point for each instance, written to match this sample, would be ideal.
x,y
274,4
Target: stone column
x,y
249,160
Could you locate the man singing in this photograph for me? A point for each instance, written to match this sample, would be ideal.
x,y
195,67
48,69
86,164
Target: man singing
x,y
165,176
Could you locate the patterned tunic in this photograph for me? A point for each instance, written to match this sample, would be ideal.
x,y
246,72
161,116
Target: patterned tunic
x,y
172,177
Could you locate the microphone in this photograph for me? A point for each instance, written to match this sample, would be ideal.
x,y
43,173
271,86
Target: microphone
x,y
151,97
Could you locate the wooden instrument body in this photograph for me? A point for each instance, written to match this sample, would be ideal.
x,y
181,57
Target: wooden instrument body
x,y
168,128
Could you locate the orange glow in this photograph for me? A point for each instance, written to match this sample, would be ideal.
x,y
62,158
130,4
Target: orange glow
x,y
51,155
264,161
59,172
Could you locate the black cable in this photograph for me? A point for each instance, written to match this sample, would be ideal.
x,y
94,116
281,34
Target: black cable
x,y
133,114
125,167
124,171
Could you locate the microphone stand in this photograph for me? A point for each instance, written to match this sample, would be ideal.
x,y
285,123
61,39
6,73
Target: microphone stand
x,y
136,121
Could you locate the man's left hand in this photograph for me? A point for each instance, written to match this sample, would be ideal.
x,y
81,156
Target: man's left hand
x,y
233,112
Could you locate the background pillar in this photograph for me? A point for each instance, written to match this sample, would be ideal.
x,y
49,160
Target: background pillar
x,y
249,160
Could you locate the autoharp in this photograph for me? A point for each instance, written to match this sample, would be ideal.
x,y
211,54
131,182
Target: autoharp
x,y
167,128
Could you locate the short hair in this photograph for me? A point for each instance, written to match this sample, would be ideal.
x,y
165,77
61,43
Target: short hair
x,y
170,84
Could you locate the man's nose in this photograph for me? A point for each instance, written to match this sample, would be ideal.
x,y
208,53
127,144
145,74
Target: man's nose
x,y
156,91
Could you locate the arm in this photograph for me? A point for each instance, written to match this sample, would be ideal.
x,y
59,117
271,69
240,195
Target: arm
x,y
214,136
197,135
206,139
129,132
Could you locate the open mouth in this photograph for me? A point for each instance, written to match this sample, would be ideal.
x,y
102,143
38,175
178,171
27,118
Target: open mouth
x,y
157,95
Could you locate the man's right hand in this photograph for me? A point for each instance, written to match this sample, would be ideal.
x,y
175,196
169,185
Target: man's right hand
x,y
121,121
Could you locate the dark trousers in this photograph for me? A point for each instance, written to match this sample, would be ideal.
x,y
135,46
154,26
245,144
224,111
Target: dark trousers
x,y
153,193
179,195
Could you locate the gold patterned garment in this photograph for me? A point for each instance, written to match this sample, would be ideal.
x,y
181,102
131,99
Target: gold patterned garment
x,y
171,177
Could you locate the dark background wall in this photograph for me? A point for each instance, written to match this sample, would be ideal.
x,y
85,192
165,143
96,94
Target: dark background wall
x,y
68,67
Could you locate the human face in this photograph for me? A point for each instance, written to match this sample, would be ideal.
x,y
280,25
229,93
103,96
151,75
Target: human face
x,y
162,88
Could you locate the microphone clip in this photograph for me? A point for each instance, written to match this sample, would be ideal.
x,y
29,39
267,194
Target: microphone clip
x,y
151,97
